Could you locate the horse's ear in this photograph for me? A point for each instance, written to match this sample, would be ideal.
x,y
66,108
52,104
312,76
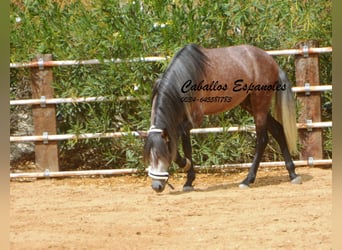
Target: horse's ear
x,y
165,135
155,87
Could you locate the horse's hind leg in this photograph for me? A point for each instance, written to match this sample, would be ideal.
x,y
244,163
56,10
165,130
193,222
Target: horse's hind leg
x,y
261,143
277,131
260,118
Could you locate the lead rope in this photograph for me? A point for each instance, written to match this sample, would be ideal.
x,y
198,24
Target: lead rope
x,y
169,184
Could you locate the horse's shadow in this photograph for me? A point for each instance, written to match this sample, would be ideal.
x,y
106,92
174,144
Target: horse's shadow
x,y
260,182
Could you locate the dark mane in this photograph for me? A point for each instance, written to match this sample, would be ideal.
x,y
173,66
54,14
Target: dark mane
x,y
188,64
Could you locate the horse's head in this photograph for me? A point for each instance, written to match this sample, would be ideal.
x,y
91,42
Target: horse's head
x,y
158,153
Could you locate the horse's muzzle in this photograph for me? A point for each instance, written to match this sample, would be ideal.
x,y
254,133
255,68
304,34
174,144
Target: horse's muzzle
x,y
158,185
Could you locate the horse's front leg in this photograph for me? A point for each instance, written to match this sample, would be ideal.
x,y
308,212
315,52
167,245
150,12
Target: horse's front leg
x,y
186,164
191,175
183,162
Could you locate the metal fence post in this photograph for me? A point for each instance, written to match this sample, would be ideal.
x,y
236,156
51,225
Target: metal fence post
x,y
44,115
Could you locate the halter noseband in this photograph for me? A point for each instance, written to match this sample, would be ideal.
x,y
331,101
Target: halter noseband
x,y
158,175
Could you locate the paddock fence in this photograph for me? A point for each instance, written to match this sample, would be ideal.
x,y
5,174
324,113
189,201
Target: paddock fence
x,y
307,88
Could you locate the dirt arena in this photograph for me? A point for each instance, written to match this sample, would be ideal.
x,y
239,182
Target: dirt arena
x,y
125,213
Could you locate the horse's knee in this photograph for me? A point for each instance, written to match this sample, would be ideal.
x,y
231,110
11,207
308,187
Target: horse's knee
x,y
187,166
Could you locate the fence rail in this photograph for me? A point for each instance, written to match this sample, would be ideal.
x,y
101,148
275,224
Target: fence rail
x,y
44,101
41,63
306,90
50,174
250,128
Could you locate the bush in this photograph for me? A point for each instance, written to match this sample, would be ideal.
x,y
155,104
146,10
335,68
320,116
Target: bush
x,y
106,29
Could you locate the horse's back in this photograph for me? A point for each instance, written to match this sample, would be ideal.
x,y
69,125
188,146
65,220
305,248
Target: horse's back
x,y
243,61
235,67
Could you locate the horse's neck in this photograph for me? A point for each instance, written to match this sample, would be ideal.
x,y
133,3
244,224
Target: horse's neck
x,y
188,113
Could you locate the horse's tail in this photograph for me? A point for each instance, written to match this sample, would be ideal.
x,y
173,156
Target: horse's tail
x,y
286,111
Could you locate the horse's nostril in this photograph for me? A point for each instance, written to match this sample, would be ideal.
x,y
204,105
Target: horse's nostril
x,y
158,187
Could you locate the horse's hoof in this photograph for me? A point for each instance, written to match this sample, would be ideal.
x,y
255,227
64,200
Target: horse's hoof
x,y
188,188
297,180
243,186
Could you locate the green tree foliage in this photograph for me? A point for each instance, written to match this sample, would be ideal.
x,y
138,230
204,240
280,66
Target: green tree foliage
x,y
105,29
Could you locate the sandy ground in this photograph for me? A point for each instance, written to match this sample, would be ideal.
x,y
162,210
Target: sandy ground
x,y
125,213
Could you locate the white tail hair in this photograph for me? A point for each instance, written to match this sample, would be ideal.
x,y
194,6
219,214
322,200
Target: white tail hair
x,y
286,111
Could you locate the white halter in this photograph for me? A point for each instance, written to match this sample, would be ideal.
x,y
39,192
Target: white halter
x,y
153,129
158,175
